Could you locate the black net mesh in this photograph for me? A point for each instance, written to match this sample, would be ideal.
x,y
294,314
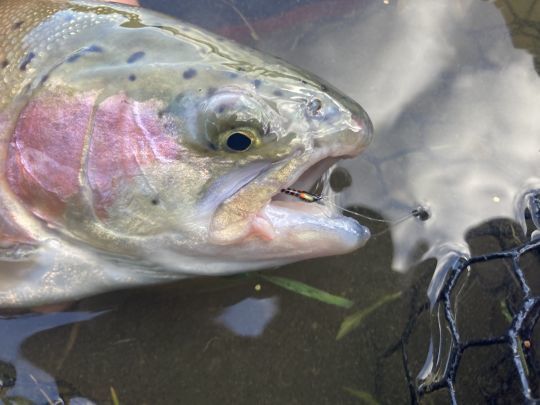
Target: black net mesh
x,y
520,306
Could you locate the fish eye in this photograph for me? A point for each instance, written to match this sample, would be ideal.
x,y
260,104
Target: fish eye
x,y
314,106
239,139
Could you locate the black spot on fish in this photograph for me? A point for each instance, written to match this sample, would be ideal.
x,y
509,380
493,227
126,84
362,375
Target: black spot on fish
x,y
221,108
160,113
132,78
155,201
303,81
4,64
81,52
257,83
44,79
190,73
17,25
233,75
73,58
278,93
211,91
323,87
95,49
241,69
135,57
27,59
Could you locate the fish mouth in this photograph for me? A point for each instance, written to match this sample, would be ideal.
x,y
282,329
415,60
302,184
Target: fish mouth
x,y
309,179
259,213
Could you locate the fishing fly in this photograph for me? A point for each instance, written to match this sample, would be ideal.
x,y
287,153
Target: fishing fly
x,y
303,195
419,212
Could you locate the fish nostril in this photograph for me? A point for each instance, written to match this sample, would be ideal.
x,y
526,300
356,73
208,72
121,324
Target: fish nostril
x,y
314,107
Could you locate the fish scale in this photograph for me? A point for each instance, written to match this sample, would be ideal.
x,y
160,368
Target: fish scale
x,y
20,37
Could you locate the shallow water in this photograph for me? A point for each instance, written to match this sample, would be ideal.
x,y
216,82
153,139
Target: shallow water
x,y
454,95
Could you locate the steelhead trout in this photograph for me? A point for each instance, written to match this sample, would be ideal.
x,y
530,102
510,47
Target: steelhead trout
x,y
137,149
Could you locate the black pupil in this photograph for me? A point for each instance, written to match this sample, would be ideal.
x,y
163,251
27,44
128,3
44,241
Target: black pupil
x,y
238,141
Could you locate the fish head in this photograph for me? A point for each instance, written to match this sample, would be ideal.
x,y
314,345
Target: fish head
x,y
250,136
152,139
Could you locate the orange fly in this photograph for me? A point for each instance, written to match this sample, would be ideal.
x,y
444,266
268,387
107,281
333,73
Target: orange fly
x,y
303,195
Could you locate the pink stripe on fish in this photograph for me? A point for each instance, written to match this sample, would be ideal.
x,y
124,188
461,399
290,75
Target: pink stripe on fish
x,y
127,137
45,153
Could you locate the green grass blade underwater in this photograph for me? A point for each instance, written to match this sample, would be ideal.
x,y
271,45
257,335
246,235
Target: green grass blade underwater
x,y
308,291
353,321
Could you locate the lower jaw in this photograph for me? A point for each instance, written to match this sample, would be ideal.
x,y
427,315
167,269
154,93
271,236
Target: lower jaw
x,y
282,231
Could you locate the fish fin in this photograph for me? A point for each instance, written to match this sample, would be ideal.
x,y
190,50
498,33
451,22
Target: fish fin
x,y
55,272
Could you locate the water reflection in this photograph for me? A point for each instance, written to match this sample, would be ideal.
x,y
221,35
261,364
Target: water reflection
x,y
27,380
250,316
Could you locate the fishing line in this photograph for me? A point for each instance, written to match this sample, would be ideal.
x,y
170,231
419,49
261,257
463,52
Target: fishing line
x,y
419,212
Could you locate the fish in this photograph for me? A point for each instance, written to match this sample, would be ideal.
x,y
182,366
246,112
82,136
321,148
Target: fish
x,y
137,149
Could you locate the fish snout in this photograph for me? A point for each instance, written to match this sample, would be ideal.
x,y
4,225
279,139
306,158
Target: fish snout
x,y
357,134
362,125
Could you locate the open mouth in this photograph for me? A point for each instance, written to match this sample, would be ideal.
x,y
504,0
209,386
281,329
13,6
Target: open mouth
x,y
314,181
259,210
278,212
